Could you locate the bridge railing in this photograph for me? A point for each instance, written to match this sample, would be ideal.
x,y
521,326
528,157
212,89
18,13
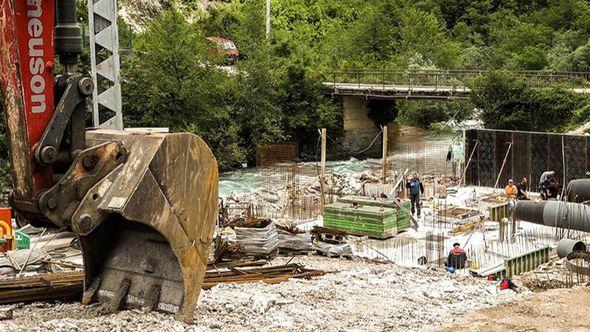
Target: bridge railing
x,y
456,80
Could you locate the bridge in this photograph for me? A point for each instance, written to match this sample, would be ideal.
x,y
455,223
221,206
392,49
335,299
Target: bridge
x,y
360,92
436,84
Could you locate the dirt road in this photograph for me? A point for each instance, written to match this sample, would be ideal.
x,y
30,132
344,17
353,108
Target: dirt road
x,y
553,310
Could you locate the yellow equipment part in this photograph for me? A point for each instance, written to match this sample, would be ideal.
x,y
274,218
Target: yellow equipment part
x,y
6,233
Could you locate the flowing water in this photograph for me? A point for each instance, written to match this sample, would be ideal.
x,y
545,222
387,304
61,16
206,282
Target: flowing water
x,y
410,147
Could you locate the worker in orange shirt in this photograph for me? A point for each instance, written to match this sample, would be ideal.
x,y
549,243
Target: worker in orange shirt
x,y
511,190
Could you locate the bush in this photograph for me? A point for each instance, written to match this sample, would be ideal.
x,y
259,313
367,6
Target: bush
x,y
581,116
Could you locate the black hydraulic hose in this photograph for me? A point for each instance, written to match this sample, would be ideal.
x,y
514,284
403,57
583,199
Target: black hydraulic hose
x,y
66,12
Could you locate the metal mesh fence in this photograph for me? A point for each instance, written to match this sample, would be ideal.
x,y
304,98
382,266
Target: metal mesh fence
x,y
526,154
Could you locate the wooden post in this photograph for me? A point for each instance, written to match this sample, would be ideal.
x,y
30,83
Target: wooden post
x,y
384,158
502,168
323,171
323,160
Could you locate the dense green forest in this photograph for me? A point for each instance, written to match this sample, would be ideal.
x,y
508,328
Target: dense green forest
x,y
172,79
275,92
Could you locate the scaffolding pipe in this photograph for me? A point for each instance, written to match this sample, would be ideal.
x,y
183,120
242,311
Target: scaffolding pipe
x,y
554,214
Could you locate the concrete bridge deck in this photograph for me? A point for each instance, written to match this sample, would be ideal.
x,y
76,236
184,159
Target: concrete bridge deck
x,y
436,84
383,91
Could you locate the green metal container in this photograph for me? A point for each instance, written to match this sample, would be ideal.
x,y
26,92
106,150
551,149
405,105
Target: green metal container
x,y
373,221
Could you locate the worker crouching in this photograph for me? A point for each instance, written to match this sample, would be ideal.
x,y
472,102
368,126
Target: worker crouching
x,y
457,258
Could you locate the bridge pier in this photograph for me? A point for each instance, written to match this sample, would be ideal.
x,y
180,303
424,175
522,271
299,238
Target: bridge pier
x,y
359,129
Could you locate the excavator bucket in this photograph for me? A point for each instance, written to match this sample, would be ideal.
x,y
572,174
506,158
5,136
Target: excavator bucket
x,y
145,228
142,205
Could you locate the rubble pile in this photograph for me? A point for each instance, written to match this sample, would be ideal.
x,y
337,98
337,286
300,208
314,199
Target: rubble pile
x,y
394,298
551,275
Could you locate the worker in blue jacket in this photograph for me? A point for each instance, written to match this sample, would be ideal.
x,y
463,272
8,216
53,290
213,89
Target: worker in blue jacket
x,y
416,188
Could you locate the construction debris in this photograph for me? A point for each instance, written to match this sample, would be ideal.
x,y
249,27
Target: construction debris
x,y
298,242
258,241
331,242
269,275
394,297
52,286
41,287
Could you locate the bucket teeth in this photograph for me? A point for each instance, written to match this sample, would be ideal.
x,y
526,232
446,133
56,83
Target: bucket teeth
x,y
118,300
90,293
152,297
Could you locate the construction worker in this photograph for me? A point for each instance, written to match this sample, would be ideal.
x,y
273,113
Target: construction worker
x,y
546,176
510,190
544,184
457,257
523,193
553,190
416,188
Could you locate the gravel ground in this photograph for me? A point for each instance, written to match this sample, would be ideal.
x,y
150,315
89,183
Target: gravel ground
x,y
361,295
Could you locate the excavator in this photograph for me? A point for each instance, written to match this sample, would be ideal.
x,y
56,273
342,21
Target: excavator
x,y
142,205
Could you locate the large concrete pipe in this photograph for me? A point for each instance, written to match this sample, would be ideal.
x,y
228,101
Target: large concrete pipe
x,y
554,213
567,246
578,190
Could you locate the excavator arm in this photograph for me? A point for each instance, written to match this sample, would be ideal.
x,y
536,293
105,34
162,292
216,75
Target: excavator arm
x,y
142,205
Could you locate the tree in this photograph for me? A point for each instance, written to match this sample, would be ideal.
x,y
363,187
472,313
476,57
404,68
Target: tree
x,y
504,100
170,81
422,37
